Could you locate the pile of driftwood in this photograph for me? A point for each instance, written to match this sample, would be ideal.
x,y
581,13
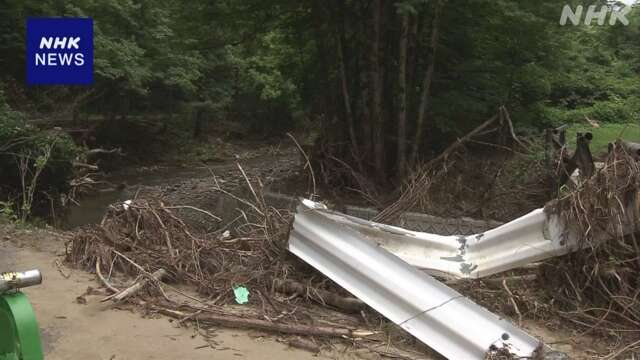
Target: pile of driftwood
x,y
148,243
150,235
599,287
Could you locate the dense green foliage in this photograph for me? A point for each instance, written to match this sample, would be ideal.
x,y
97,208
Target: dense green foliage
x,y
167,57
35,165
390,82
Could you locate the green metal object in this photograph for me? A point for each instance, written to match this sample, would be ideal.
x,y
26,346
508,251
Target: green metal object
x,y
19,332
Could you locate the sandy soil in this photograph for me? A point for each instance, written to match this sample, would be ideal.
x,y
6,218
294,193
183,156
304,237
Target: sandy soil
x,y
96,331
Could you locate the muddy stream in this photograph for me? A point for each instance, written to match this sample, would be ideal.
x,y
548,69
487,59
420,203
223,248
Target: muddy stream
x,y
186,185
126,182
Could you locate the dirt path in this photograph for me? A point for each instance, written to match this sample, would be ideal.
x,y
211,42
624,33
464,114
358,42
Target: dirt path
x,y
95,331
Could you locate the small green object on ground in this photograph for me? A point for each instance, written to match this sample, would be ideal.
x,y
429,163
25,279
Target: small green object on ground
x,y
242,294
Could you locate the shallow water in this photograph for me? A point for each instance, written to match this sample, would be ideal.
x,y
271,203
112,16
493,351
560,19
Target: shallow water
x,y
92,207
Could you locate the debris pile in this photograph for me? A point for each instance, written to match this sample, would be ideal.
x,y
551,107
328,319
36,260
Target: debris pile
x,y
149,234
246,261
598,287
243,274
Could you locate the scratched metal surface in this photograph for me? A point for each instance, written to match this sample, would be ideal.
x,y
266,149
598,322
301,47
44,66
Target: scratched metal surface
x,y
409,220
437,315
532,237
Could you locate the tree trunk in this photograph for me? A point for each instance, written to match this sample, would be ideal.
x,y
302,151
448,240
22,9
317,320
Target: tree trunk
x,y
412,56
426,85
363,107
402,98
375,80
347,100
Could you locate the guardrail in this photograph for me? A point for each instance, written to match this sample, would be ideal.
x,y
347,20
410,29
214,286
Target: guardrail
x,y
340,247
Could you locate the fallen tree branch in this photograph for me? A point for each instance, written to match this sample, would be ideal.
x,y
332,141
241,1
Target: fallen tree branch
x,y
85,166
505,117
103,280
422,181
513,302
307,165
103,151
247,323
293,287
138,285
194,209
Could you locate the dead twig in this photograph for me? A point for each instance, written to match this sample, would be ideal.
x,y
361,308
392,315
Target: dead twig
x,y
513,302
59,267
307,165
103,280
345,303
138,285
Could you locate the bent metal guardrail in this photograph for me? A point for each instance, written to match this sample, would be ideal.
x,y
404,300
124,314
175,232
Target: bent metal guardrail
x,y
532,237
437,315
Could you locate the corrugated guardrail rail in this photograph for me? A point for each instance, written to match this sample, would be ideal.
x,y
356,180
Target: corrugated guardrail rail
x,y
338,246
532,237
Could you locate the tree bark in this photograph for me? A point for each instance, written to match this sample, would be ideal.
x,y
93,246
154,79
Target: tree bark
x,y
426,85
402,98
412,55
364,104
375,80
344,86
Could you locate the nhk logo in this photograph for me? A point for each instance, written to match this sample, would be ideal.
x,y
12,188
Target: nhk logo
x,y
59,51
62,59
616,14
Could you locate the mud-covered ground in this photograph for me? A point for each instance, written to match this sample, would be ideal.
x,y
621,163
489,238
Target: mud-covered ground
x,y
85,328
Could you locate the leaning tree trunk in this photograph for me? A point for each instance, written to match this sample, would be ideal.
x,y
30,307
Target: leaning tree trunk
x,y
402,98
426,85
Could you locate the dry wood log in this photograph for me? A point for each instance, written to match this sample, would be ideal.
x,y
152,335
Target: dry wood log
x,y
247,323
133,289
344,303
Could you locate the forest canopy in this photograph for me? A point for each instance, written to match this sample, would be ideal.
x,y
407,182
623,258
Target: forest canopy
x,y
389,83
